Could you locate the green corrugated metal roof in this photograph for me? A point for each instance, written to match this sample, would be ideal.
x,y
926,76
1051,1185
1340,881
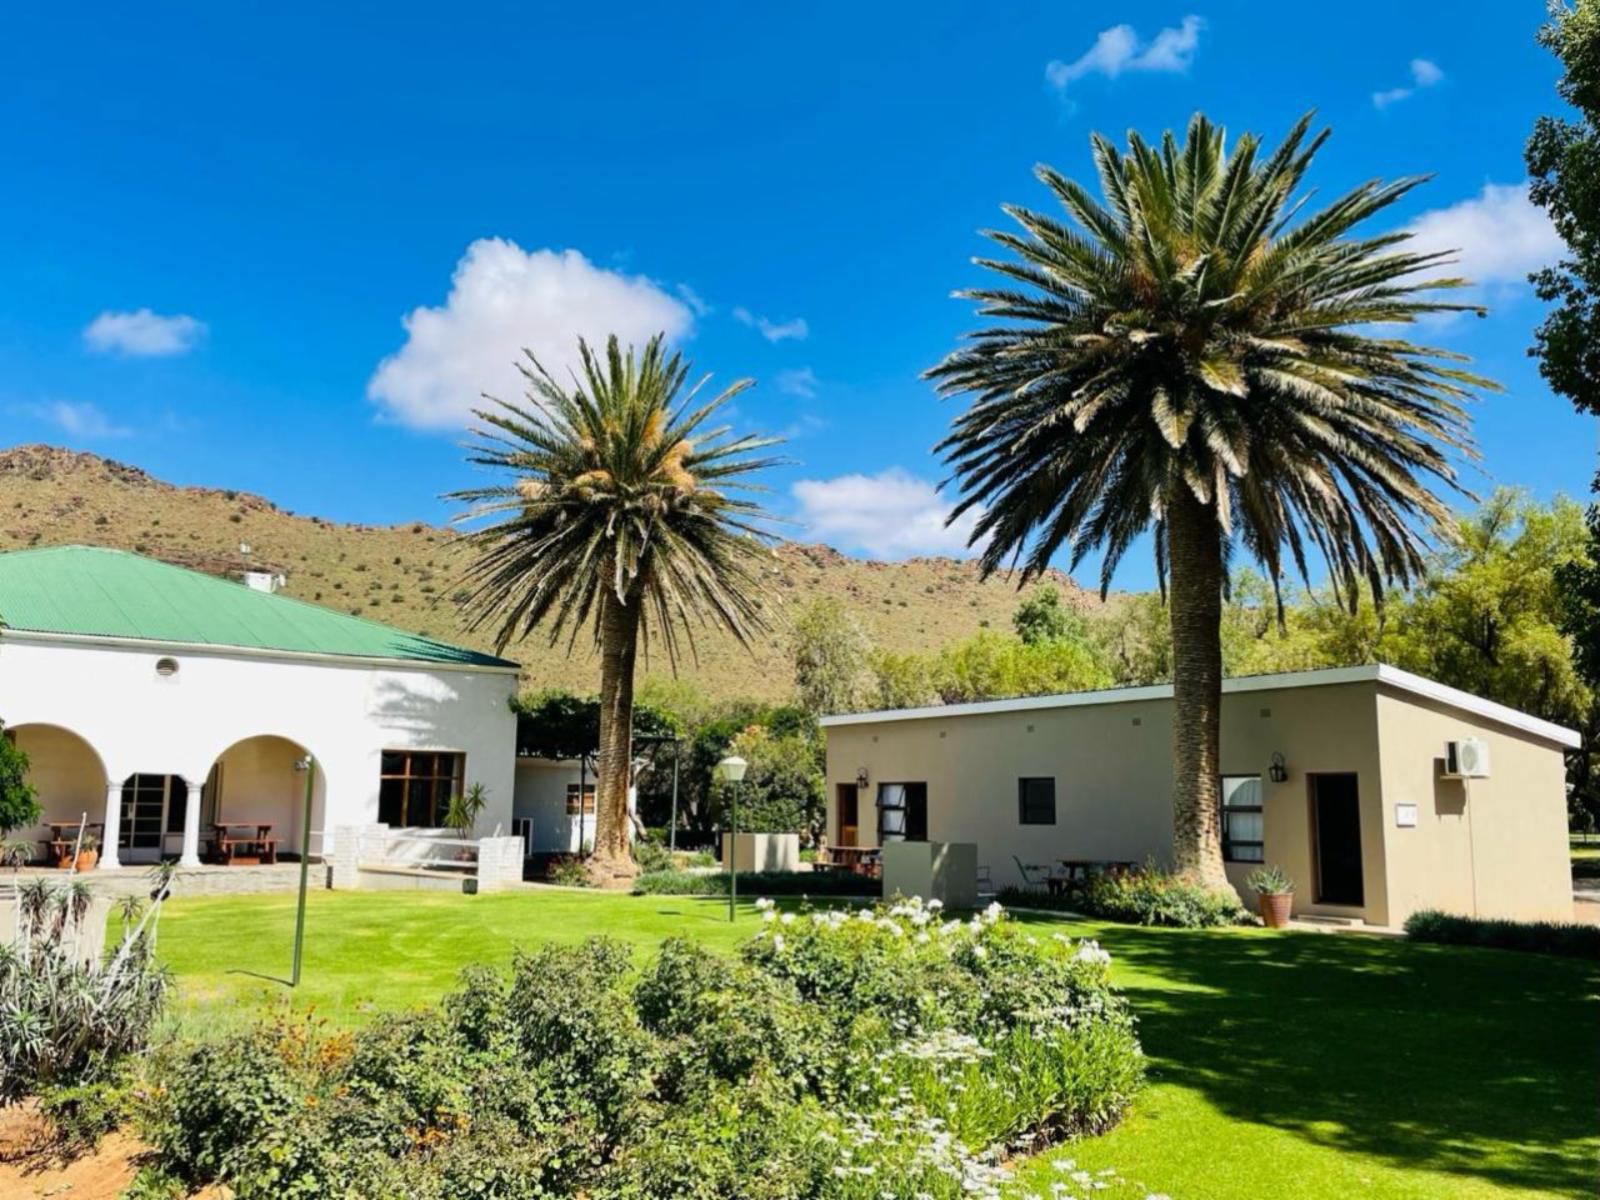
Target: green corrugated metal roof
x,y
93,591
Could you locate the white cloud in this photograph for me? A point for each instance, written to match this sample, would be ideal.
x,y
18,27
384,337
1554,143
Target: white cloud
x,y
1118,49
801,381
1498,236
1424,74
77,419
889,515
694,300
774,331
502,299
143,334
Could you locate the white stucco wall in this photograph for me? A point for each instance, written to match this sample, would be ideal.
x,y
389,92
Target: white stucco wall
x,y
541,797
343,713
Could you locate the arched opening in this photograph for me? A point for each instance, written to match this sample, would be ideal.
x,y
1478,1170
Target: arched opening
x,y
257,783
70,779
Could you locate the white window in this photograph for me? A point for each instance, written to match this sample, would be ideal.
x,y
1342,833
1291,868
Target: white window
x,y
1243,839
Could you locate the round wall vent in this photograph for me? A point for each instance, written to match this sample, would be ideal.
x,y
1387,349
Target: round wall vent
x,y
166,667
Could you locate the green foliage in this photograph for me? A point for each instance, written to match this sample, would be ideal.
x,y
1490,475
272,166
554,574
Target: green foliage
x,y
783,789
755,883
1270,881
989,666
1043,618
829,650
1150,896
1563,157
701,1077
558,725
464,810
19,801
568,871
68,1018
1567,939
82,1113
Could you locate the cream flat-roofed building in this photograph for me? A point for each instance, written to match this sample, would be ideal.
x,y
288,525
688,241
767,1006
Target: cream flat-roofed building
x,y
1342,777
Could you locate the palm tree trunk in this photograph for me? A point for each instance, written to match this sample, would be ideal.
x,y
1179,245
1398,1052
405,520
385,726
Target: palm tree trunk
x,y
1194,567
612,863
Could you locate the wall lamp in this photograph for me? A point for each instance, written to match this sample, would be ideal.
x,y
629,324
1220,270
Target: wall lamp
x,y
1277,772
861,777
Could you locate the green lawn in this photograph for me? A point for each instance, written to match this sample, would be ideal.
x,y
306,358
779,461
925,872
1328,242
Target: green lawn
x,y
1283,1065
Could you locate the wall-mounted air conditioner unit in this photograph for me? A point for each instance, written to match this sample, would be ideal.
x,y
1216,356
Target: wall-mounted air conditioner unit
x,y
1467,759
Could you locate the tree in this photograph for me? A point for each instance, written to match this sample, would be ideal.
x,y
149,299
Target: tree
x,y
783,789
19,802
1578,584
1563,158
1043,618
624,512
1196,357
830,651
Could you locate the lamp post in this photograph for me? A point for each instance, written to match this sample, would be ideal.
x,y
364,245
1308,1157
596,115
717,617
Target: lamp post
x,y
309,766
731,770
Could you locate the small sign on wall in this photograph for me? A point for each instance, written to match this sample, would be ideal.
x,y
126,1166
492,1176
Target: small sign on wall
x,y
1405,816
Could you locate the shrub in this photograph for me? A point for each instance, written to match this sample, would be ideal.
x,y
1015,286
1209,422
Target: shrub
x,y
1146,897
568,871
67,1018
755,883
1537,937
838,1055
652,856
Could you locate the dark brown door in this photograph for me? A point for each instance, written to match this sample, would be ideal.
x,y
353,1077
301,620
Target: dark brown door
x,y
1336,826
849,800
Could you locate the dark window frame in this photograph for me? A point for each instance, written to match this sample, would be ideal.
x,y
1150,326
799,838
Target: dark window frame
x,y
915,813
1224,809
441,787
1027,816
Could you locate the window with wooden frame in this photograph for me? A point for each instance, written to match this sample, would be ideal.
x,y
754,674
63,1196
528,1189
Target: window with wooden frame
x,y
415,787
1243,823
572,799
1036,801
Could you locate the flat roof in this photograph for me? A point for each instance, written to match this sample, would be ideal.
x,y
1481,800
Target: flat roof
x,y
1375,673
98,594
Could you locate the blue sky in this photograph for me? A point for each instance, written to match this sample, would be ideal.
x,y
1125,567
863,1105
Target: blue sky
x,y
259,246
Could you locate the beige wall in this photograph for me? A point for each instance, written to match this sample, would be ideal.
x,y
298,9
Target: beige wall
x,y
1113,769
1490,847
66,773
257,782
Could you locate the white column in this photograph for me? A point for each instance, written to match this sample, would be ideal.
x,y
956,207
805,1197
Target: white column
x,y
191,828
113,828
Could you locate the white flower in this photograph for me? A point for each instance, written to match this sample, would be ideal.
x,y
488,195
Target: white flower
x,y
777,942
935,905
1090,952
787,918
980,952
765,903
769,915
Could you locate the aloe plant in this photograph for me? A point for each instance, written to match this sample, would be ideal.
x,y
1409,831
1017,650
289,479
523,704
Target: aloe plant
x,y
1270,881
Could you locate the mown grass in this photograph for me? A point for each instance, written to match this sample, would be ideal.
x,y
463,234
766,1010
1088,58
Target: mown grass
x,y
1293,1065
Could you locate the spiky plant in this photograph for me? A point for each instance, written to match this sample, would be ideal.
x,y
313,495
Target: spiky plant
x,y
1196,356
626,511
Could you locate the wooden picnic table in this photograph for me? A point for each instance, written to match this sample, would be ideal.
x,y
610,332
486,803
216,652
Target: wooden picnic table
x,y
64,837
858,860
1078,870
243,843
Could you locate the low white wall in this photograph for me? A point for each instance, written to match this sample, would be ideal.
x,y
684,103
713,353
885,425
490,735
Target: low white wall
x,y
763,851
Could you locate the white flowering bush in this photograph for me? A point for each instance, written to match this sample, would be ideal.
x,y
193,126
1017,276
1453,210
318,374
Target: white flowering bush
x,y
890,1053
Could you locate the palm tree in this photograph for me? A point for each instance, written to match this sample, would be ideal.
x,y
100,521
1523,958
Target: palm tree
x,y
1197,357
624,512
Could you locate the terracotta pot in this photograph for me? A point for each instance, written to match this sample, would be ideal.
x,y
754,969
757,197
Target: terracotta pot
x,y
1275,908
87,860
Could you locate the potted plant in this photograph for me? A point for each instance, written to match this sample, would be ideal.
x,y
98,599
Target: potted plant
x,y
463,814
1274,895
88,852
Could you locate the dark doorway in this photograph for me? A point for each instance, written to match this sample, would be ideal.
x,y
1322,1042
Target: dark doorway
x,y
1336,830
849,808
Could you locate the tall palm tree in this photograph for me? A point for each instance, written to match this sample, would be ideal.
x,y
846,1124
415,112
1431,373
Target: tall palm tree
x,y
628,511
1196,356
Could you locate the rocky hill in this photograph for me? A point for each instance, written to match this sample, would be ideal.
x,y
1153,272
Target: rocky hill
x,y
405,575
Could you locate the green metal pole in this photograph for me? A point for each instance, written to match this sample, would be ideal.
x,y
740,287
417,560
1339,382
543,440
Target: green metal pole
x,y
733,853
305,872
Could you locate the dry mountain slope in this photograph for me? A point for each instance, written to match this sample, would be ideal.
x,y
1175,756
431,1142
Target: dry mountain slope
x,y
405,575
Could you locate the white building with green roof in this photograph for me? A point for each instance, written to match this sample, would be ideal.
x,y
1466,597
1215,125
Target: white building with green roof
x,y
170,706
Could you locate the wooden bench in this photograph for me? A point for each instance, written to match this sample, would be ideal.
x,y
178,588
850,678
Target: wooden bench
x,y
244,843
